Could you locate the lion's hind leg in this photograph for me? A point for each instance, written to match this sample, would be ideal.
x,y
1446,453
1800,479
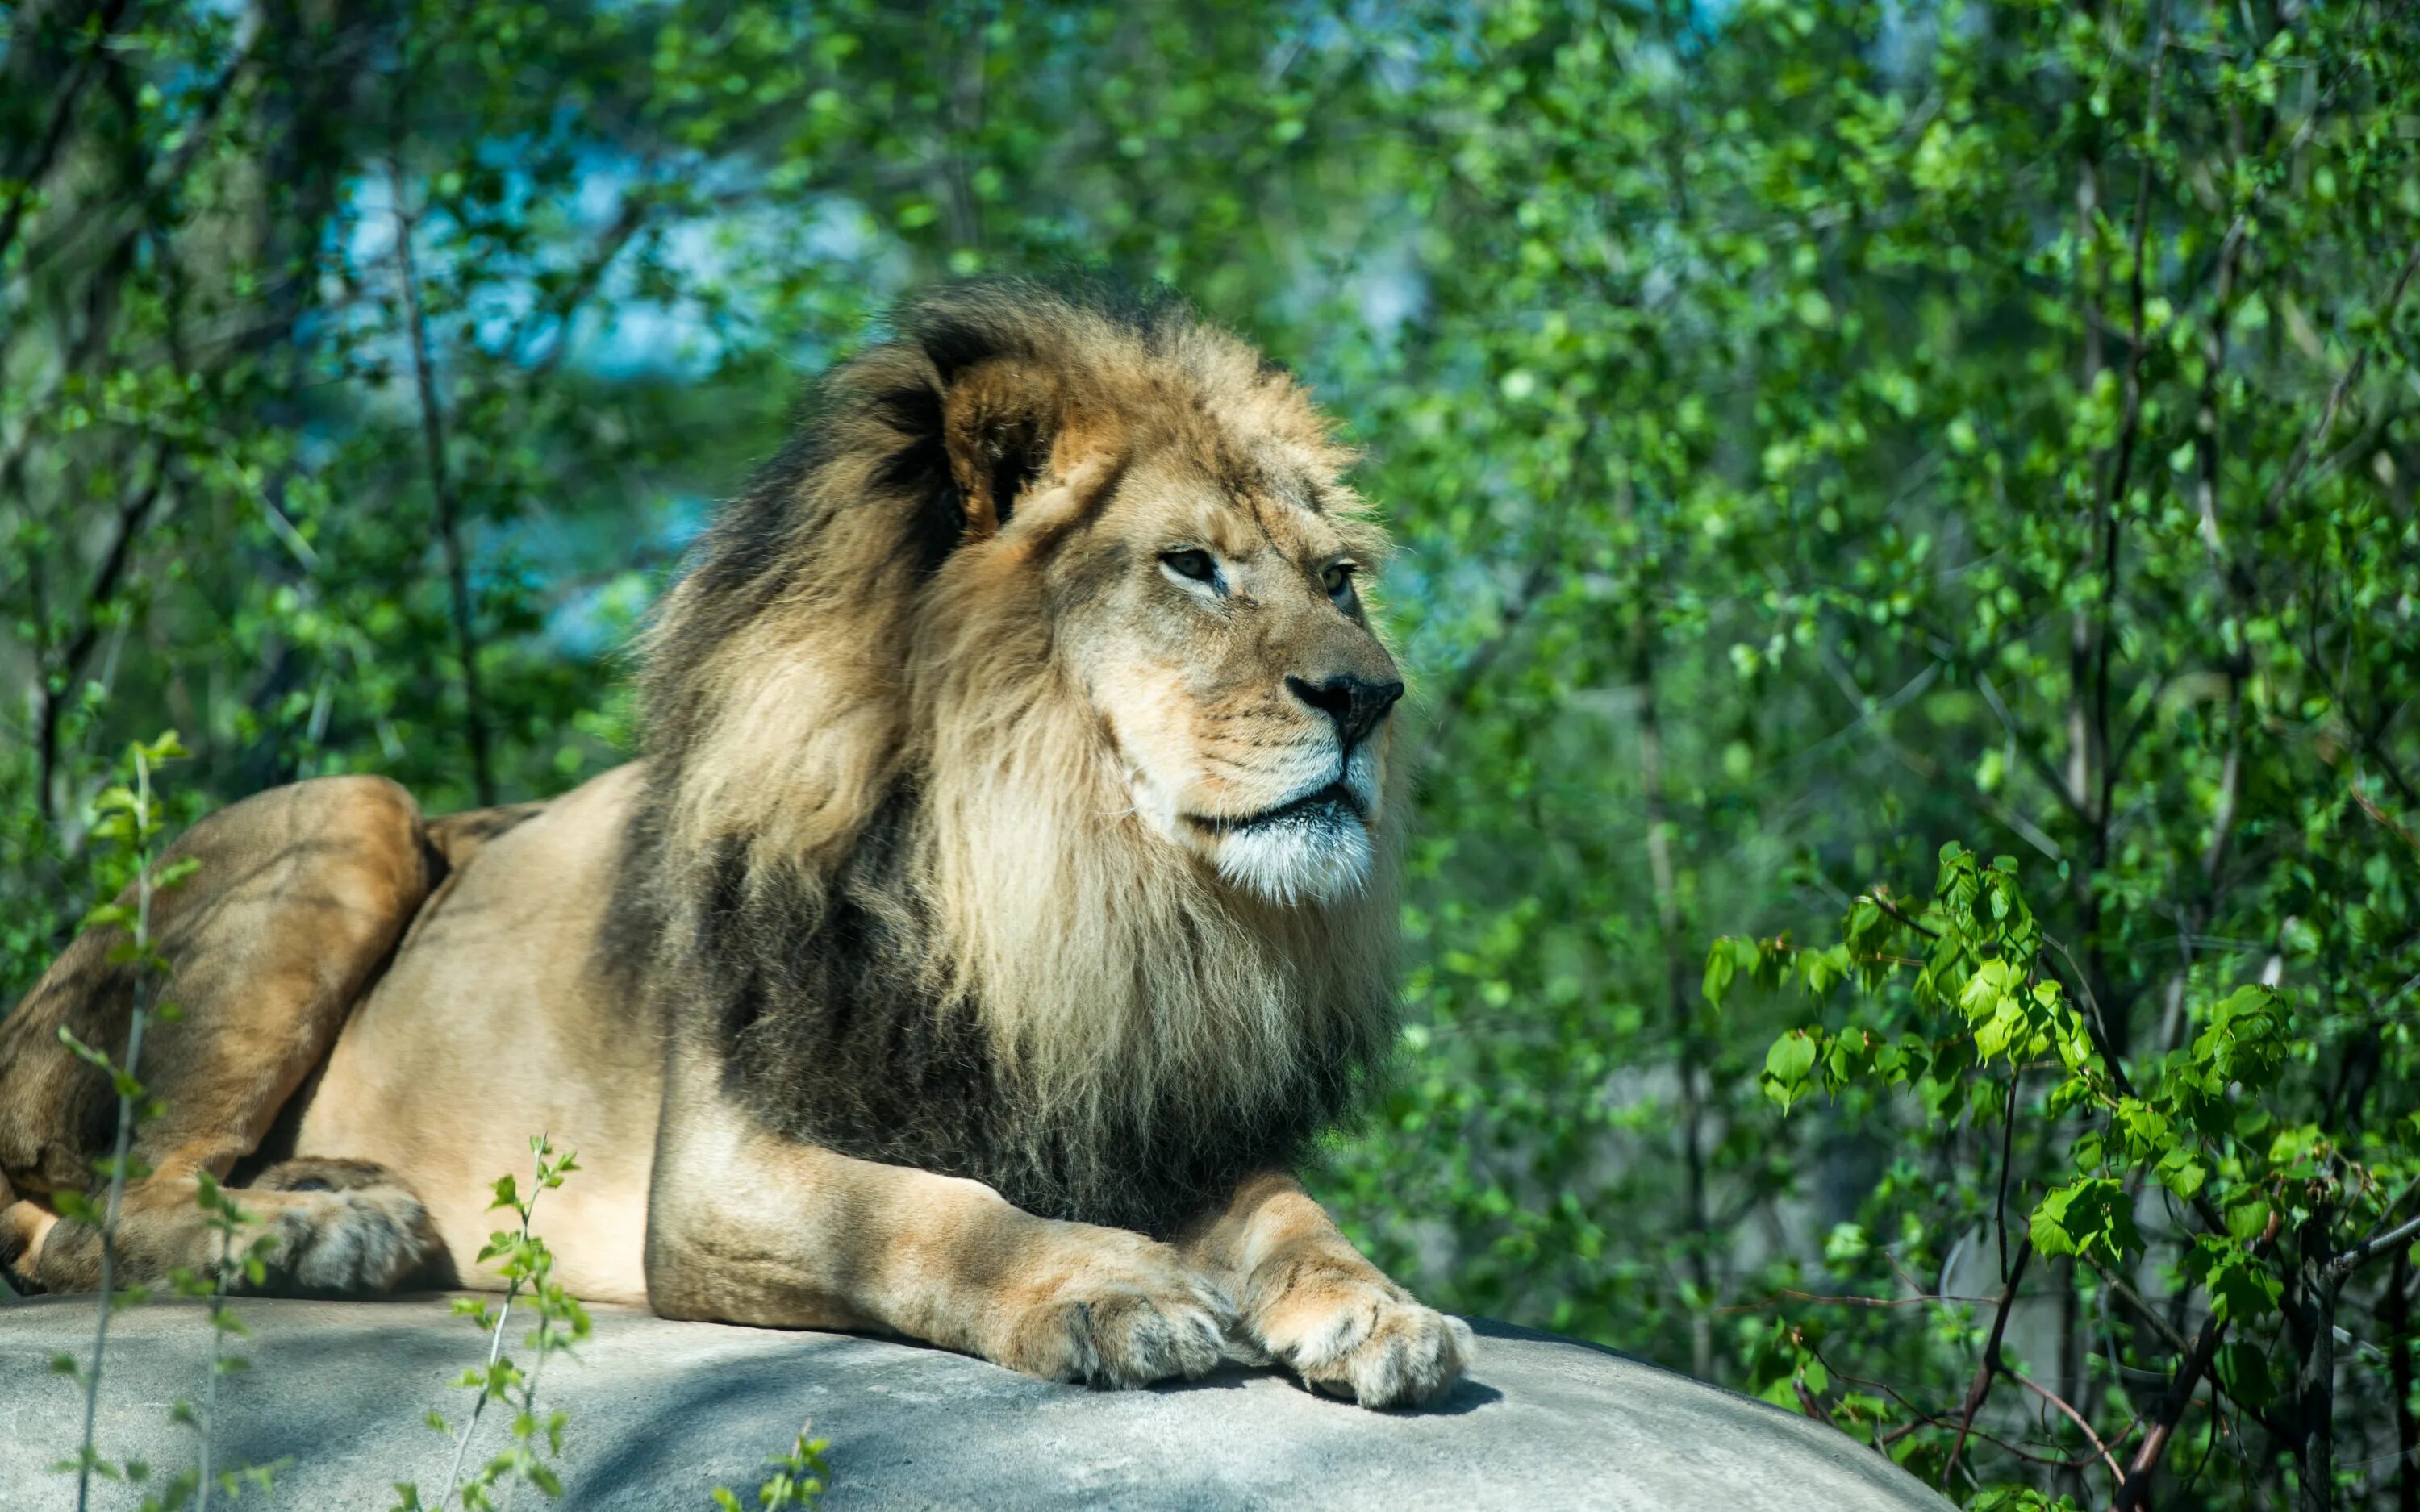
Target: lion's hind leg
x,y
302,894
318,1228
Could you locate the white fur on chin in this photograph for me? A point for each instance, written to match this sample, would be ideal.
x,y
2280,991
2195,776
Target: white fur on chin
x,y
1316,857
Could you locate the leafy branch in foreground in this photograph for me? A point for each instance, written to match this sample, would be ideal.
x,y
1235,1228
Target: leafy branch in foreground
x,y
129,823
230,1222
129,827
797,1480
1968,1015
528,1266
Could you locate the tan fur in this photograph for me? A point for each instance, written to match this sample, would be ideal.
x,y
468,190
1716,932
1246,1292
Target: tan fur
x,y
1091,739
1311,1300
308,889
533,1045
1089,945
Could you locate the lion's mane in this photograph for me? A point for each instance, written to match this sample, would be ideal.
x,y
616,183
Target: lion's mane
x,y
887,858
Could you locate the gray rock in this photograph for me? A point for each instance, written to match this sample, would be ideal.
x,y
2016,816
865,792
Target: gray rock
x,y
662,1412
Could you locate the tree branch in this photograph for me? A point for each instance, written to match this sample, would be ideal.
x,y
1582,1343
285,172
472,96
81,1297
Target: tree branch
x,y
2345,381
449,532
2034,756
54,130
2344,1264
52,701
2116,1475
2137,1482
124,215
2146,1463
1980,1389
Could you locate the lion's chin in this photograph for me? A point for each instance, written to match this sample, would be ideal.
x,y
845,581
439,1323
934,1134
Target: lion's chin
x,y
1317,855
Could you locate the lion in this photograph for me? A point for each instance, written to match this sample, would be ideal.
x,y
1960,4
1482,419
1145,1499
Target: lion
x,y
1000,902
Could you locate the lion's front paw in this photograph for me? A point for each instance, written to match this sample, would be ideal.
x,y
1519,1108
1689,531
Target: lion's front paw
x,y
1122,1316
1352,1334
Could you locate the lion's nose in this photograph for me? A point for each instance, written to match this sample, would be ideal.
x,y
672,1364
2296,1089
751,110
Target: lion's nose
x,y
1355,705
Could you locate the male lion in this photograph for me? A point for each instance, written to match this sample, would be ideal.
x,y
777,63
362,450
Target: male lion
x,y
1002,900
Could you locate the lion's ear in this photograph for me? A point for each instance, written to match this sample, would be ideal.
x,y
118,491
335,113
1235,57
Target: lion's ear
x,y
1000,421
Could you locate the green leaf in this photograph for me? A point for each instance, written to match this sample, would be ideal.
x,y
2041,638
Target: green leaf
x,y
2242,1371
2090,1218
1786,1067
1720,969
2247,1216
2242,1289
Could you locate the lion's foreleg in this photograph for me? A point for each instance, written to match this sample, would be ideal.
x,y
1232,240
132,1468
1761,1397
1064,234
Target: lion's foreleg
x,y
747,1226
1315,1303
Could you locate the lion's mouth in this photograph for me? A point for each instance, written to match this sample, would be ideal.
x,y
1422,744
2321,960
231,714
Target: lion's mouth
x,y
1332,802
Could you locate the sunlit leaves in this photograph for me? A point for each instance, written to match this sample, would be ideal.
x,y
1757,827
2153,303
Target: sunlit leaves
x,y
2093,1218
526,1265
1761,365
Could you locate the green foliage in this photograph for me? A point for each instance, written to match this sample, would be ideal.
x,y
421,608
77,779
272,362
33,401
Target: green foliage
x,y
128,828
127,833
526,1265
1981,998
1816,430
797,1479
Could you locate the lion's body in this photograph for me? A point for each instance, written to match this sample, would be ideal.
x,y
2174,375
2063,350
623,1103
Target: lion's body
x,y
1001,901
498,1019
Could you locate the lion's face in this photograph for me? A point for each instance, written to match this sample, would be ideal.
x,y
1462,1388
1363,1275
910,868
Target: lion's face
x,y
1213,620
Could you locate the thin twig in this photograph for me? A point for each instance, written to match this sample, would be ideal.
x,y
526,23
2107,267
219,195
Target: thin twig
x,y
1883,901
121,1150
115,560
1924,766
2384,820
495,1345
2130,432
637,208
2032,753
1821,1299
2345,381
1475,667
124,216
2072,1415
2007,1158
2143,1309
1980,1389
218,1349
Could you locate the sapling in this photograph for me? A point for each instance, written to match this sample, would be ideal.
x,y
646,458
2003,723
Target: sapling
x,y
229,1221
797,1479
129,823
528,1267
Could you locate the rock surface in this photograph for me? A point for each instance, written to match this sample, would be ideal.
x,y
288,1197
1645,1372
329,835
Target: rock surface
x,y
662,1412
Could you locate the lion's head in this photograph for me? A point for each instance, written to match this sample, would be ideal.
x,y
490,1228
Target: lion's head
x,y
1043,654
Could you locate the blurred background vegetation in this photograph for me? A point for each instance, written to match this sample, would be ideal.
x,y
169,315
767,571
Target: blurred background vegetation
x,y
1817,432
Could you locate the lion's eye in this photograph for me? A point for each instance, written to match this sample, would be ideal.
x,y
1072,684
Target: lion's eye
x,y
1338,579
1193,565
